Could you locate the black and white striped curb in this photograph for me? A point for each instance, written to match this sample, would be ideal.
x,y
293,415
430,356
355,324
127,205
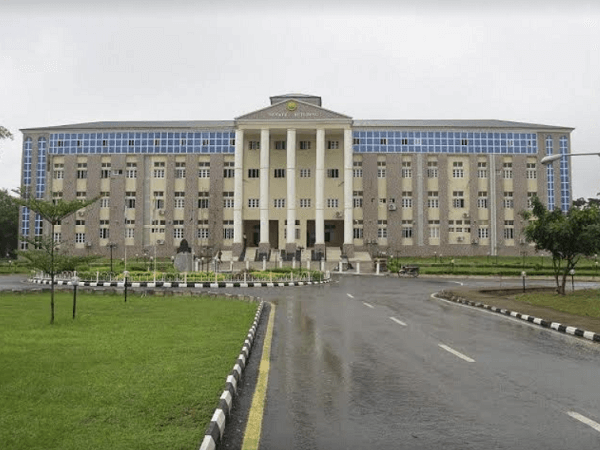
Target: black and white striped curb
x,y
216,428
181,284
590,335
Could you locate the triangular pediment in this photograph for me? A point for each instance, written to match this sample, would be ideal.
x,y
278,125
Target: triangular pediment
x,y
293,109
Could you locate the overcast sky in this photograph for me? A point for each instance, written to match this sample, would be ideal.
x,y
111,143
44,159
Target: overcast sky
x,y
74,61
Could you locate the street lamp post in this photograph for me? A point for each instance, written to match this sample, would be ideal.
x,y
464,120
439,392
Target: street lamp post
x,y
572,273
111,245
125,274
75,281
523,275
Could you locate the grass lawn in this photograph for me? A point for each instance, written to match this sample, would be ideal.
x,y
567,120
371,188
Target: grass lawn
x,y
584,303
145,374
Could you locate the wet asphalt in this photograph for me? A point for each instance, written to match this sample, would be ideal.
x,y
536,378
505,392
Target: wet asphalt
x,y
370,362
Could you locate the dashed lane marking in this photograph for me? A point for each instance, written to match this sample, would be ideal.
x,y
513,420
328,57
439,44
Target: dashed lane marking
x,y
350,295
398,321
368,304
455,353
583,419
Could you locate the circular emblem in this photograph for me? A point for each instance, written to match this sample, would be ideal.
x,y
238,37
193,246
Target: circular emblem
x,y
292,106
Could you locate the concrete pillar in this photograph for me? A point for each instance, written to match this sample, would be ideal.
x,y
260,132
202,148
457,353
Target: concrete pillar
x,y
238,193
320,189
264,186
291,188
348,210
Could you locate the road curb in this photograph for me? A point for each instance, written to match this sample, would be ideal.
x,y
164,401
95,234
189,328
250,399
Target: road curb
x,y
573,331
216,427
180,284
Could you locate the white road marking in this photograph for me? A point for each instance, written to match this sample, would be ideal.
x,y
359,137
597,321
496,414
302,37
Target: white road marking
x,y
368,304
455,353
457,282
583,419
399,322
350,295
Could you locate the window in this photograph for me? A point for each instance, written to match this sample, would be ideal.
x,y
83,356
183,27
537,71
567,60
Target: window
x,y
131,170
202,232
228,171
130,233
483,232
507,171
159,169
177,233
432,169
481,169
203,169
530,196
333,203
457,169
253,145
456,226
509,200
253,203
407,229
464,142
332,145
228,229
279,202
80,195
407,199
433,200
458,200
305,203
356,141
105,171
228,199
482,199
333,173
253,173
383,141
406,169
104,229
180,199
357,169
81,171
381,169
159,200
404,141
203,200
57,237
56,196
434,229
304,173
179,170
80,238
59,171
158,226
130,199
509,229
531,171
382,229
105,200
357,232
357,199
279,173
279,145
304,145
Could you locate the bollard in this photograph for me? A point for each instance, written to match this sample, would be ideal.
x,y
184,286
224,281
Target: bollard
x,y
247,264
340,266
264,263
280,263
322,264
357,266
231,265
307,263
377,268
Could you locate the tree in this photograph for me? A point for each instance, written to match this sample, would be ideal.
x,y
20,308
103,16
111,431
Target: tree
x,y
5,134
566,236
44,255
9,224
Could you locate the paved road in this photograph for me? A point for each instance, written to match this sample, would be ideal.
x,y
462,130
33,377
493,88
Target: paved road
x,y
10,282
376,363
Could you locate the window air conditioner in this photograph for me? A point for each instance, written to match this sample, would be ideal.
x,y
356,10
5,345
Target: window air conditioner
x,y
392,207
460,239
88,244
161,212
160,241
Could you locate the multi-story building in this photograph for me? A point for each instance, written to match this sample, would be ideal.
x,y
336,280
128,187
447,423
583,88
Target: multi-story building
x,y
295,176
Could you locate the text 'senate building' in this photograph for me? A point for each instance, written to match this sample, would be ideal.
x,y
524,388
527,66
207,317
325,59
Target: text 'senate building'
x,y
296,176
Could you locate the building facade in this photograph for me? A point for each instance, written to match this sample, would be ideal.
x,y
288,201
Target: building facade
x,y
296,177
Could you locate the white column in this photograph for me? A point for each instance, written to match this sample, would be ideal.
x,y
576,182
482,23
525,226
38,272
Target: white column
x,y
291,186
320,188
264,186
348,217
238,187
